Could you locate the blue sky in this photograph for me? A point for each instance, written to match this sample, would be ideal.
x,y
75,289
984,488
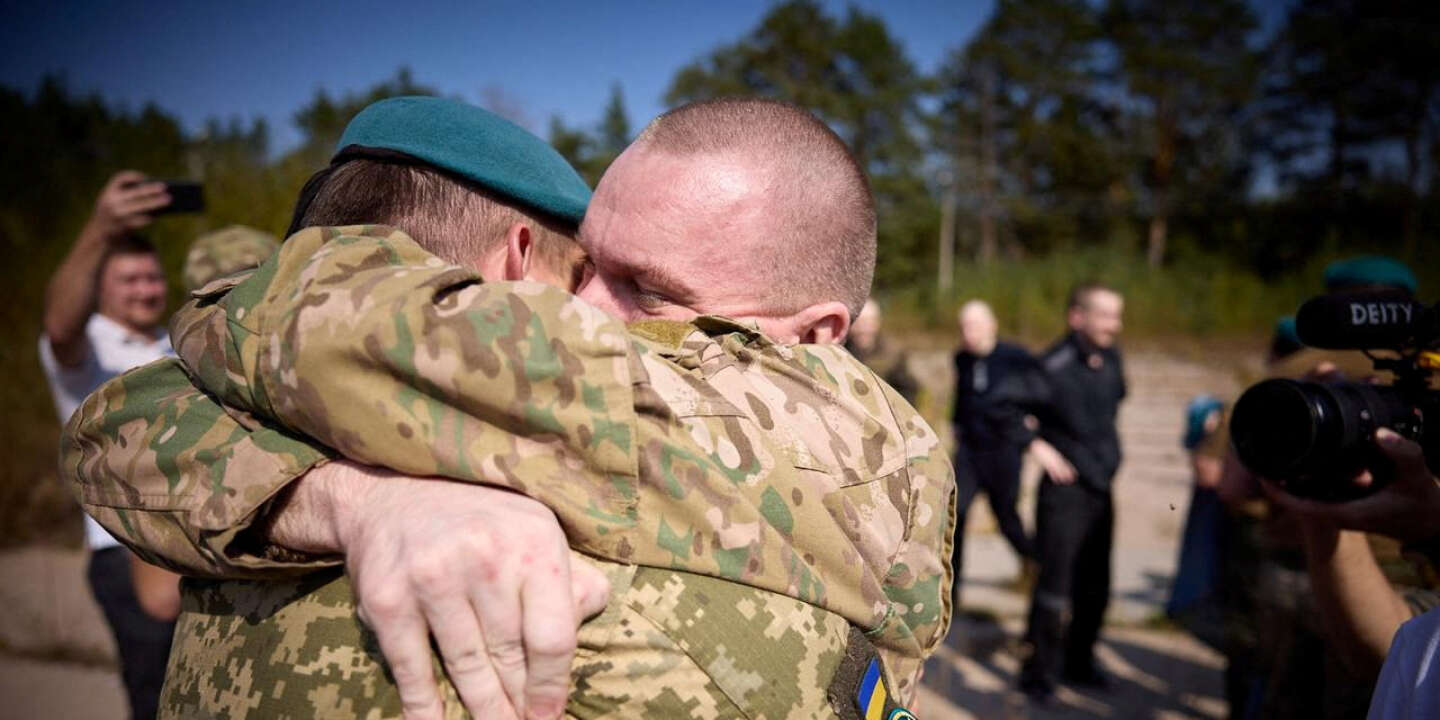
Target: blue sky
x,y
201,60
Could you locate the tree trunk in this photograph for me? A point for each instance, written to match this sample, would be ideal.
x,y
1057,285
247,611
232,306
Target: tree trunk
x,y
988,243
946,271
1163,172
1155,252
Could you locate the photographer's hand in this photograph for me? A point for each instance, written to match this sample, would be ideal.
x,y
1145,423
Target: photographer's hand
x,y
1408,509
1360,609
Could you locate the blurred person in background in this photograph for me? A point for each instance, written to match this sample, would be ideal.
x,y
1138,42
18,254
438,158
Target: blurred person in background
x,y
104,309
870,346
1200,593
225,252
994,384
1079,450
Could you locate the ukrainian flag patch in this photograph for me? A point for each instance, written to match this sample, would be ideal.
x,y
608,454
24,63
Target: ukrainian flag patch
x,y
858,690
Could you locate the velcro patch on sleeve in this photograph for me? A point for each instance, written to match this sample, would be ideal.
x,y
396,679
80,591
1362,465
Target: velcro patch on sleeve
x,y
859,690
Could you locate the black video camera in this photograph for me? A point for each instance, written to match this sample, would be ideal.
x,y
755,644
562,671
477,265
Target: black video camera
x,y
1313,437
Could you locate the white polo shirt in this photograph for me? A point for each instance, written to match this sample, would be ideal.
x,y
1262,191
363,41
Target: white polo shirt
x,y
112,351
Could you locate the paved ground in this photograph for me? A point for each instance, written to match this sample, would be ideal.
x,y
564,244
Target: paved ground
x,y
1160,673
56,657
36,689
1156,674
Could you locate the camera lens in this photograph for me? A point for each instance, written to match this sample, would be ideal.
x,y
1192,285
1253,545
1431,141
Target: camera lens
x,y
1312,437
1275,426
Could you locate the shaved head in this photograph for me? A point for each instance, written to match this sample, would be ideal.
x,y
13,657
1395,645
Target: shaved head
x,y
978,327
814,239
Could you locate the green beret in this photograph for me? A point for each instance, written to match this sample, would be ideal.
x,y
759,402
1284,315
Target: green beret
x,y
1369,270
226,252
475,144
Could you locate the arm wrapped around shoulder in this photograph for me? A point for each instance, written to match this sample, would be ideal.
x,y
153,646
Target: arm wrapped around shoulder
x,y
362,340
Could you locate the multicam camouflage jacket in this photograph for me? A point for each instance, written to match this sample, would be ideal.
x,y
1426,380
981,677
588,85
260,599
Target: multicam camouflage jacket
x,y
702,449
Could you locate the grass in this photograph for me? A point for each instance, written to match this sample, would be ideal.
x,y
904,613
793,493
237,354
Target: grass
x,y
1196,297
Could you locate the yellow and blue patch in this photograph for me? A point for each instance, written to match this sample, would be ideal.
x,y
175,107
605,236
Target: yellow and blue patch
x,y
872,696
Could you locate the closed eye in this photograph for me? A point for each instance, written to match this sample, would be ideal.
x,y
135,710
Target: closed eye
x,y
649,298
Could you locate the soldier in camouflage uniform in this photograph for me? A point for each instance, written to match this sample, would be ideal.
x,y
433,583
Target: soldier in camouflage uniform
x,y
225,252
720,434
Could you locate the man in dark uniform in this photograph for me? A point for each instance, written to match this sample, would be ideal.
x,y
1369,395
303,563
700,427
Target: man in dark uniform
x,y
1075,515
994,384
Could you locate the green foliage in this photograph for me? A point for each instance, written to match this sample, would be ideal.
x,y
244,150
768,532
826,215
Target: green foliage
x,y
854,75
1036,157
1190,66
1351,86
615,124
592,153
1203,295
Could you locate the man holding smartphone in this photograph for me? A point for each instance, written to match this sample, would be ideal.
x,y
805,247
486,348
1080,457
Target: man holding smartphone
x,y
104,313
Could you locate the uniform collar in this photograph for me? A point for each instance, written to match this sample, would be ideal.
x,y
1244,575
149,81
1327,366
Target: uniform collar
x,y
1083,344
677,339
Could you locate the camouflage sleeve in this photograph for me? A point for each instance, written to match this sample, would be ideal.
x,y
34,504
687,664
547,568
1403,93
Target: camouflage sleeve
x,y
363,341
162,467
920,578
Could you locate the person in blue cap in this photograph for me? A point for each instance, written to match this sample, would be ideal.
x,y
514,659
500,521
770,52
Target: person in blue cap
x,y
479,192
1370,272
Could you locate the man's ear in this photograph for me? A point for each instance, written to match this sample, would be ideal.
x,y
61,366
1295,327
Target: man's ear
x,y
823,324
518,249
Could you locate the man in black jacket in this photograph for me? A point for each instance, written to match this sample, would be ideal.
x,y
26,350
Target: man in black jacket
x,y
1075,515
997,383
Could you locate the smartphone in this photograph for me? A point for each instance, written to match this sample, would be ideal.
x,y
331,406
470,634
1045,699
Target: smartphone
x,y
185,197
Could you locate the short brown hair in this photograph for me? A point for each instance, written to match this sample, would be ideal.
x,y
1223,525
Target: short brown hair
x,y
1080,294
824,213
128,244
457,220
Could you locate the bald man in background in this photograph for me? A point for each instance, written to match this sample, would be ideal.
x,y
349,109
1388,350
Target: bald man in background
x,y
870,346
994,384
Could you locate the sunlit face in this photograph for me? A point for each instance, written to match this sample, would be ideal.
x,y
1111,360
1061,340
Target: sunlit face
x,y
674,237
132,291
978,330
1098,318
